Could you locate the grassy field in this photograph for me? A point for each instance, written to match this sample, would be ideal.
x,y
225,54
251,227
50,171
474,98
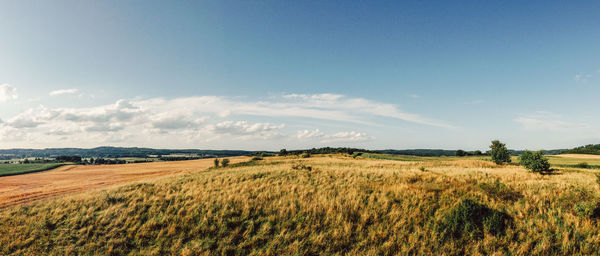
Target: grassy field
x,y
323,205
15,169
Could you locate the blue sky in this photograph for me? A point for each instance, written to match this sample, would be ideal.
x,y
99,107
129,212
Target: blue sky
x,y
282,74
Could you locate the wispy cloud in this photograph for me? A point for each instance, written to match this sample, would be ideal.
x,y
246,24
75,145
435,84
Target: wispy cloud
x,y
547,121
414,96
7,92
583,78
63,91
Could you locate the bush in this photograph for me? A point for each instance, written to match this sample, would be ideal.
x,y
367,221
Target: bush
x,y
587,209
461,152
305,155
472,220
535,161
216,162
582,165
300,166
499,152
500,191
225,162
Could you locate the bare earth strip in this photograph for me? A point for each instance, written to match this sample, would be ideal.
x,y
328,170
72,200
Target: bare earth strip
x,y
64,180
582,156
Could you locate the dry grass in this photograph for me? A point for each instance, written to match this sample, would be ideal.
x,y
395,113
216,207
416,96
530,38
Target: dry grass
x,y
341,206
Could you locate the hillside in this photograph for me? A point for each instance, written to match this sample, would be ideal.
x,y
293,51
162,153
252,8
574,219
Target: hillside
x,y
322,205
587,149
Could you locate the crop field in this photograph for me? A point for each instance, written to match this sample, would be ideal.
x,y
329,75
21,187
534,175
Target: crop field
x,y
15,169
20,189
322,205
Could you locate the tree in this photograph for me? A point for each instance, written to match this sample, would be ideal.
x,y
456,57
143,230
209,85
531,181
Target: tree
x,y
283,152
499,152
225,162
477,153
216,162
461,152
535,161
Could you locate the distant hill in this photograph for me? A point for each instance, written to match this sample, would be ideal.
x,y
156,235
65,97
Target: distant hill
x,y
115,152
593,149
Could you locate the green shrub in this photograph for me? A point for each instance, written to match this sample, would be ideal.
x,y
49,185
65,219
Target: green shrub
x,y
535,161
422,168
357,154
472,220
587,209
225,162
499,152
582,165
500,191
305,155
216,162
257,158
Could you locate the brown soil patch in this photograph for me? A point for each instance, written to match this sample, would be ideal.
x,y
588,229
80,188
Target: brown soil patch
x,y
27,188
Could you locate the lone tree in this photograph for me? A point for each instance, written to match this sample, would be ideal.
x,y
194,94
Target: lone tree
x,y
216,162
535,161
499,152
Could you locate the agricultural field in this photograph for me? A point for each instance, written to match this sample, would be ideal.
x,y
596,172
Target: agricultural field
x,y
70,179
322,205
15,169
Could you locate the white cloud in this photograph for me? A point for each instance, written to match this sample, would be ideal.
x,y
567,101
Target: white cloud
x,y
63,91
340,137
244,130
306,134
352,136
7,92
414,96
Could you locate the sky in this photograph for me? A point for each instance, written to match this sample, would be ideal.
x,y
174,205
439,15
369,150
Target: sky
x,y
266,75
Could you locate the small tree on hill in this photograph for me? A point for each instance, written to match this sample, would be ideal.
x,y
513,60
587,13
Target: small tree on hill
x,y
225,162
499,152
216,162
535,161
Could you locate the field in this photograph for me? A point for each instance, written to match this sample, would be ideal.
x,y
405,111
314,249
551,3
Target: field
x,y
323,205
15,169
77,178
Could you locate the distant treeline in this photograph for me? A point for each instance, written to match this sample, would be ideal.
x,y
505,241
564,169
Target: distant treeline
x,y
410,152
593,149
166,154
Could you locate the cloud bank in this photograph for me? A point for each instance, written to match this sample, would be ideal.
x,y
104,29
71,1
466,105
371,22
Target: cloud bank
x,y
204,120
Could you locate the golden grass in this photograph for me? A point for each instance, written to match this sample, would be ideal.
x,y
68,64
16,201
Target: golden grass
x,y
342,206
